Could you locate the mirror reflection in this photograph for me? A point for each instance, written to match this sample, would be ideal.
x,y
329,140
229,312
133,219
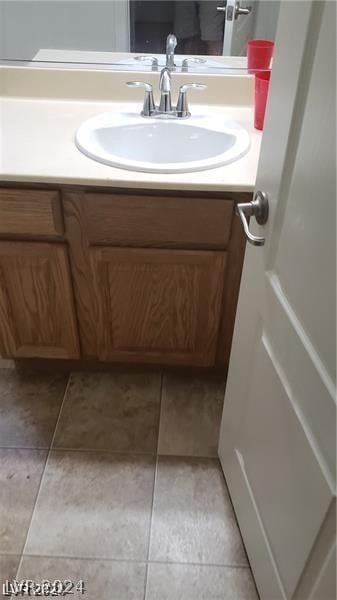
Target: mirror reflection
x,y
206,27
102,31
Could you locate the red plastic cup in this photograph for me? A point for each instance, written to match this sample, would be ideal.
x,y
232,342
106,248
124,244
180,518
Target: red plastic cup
x,y
259,55
261,95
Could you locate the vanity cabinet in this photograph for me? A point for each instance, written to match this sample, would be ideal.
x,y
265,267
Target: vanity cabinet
x,y
118,275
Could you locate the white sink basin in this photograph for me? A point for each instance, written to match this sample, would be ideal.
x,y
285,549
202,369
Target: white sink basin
x,y
155,145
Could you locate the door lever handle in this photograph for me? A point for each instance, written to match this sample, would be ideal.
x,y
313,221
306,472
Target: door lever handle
x,y
258,208
240,10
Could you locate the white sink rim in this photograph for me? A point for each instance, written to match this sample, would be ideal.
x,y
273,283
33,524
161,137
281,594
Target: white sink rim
x,y
87,142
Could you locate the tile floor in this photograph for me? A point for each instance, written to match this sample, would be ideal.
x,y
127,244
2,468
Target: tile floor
x,y
113,479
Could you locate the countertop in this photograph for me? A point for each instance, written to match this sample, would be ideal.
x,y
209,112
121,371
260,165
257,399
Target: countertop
x,y
41,110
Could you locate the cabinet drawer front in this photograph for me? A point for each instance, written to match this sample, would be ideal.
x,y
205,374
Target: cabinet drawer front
x,y
30,212
157,221
37,316
158,306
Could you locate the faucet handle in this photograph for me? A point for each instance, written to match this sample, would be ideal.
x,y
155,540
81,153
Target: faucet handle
x,y
182,106
192,86
147,86
149,105
192,59
145,57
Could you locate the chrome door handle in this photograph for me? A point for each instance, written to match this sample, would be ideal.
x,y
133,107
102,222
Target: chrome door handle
x,y
221,8
258,208
241,10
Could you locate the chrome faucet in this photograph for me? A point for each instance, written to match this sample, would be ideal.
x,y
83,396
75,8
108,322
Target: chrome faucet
x,y
165,105
171,42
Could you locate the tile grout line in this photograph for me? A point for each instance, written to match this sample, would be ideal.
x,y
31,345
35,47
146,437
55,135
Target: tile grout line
x,y
136,561
160,410
105,451
153,491
42,476
101,451
59,415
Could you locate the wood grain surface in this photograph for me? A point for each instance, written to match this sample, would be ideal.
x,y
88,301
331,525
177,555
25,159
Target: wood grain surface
x,y
236,251
158,305
30,212
160,221
37,317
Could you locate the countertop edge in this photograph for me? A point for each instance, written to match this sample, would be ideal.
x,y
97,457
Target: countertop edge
x,y
127,184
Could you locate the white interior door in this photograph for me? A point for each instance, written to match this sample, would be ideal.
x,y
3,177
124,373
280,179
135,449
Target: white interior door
x,y
278,434
239,28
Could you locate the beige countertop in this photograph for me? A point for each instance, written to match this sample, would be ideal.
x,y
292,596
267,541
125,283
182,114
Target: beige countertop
x,y
41,110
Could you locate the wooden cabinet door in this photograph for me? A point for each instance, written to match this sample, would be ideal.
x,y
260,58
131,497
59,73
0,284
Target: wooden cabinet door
x,y
158,305
37,317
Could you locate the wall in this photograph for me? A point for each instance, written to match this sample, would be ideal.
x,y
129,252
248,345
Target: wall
x,y
27,26
266,19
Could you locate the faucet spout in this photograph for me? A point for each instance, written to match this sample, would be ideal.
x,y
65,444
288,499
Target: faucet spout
x,y
165,89
171,42
165,81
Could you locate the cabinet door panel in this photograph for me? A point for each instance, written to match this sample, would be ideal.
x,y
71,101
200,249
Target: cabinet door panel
x,y
158,305
37,316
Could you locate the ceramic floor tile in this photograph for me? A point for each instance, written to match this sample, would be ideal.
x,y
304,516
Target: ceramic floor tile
x,y
111,411
190,582
8,569
93,505
193,519
29,406
102,580
20,476
191,415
